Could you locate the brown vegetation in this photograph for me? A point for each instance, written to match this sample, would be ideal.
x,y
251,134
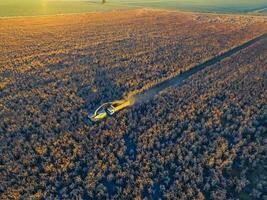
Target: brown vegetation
x,y
205,139
128,51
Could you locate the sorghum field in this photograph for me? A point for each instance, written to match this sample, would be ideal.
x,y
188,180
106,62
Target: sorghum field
x,y
205,139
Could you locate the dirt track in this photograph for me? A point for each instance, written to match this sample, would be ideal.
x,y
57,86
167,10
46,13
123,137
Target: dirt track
x,y
178,79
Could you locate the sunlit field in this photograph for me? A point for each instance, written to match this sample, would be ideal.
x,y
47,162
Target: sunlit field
x,y
52,7
204,139
137,99
49,7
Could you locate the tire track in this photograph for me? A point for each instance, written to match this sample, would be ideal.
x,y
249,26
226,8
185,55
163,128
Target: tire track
x,y
180,78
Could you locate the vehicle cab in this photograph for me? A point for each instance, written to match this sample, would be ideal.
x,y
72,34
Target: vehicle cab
x,y
98,115
111,110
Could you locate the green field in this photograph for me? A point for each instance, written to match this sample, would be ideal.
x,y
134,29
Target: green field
x,y
51,7
228,6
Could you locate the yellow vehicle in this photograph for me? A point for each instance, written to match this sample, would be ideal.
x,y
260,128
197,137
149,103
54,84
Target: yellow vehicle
x,y
118,105
109,109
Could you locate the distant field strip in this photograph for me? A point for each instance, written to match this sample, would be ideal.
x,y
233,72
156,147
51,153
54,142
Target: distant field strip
x,y
178,80
260,10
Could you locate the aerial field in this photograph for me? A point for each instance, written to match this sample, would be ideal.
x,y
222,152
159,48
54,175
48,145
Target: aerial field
x,y
112,54
55,69
203,140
